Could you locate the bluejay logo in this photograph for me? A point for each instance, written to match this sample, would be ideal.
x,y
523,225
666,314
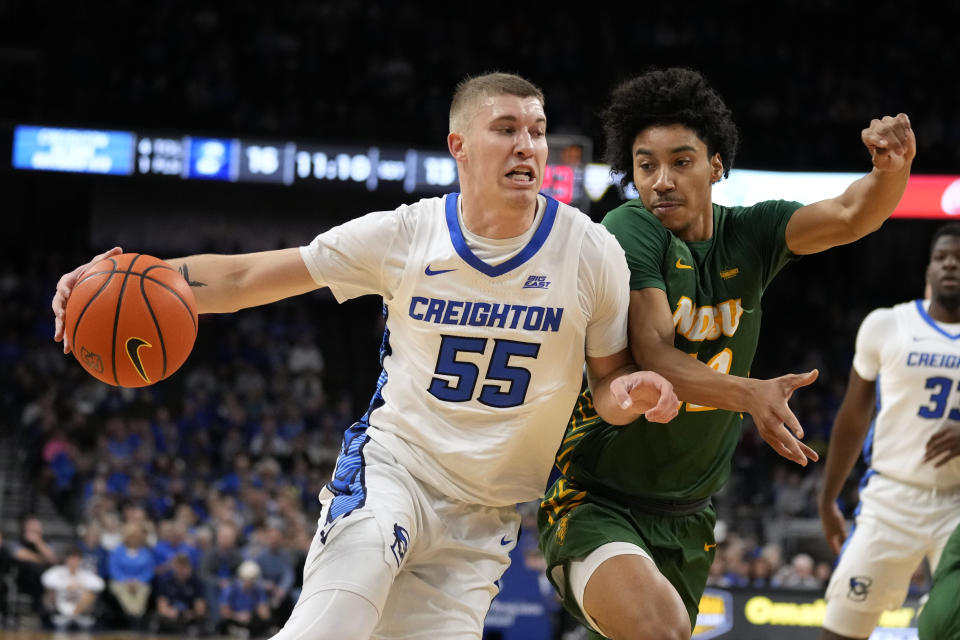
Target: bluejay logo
x,y
212,157
401,539
325,531
536,282
859,588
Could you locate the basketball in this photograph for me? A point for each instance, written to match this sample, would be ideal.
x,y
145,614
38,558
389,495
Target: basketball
x,y
131,320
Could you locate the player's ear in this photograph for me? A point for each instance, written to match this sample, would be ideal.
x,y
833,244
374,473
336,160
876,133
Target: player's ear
x,y
716,168
455,145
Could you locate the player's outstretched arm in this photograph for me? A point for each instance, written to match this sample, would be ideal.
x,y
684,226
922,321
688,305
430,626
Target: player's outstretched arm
x,y
621,394
867,202
220,283
651,340
228,283
849,430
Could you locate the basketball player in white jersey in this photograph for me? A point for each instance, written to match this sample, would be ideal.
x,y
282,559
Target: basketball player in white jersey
x,y
495,299
908,358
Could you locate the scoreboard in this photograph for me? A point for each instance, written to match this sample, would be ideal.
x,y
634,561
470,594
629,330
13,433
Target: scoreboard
x,y
570,176
262,160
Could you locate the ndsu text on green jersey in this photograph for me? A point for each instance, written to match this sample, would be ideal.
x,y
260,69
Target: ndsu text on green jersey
x,y
714,289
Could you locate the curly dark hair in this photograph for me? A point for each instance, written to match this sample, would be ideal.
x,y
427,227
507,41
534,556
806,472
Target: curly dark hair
x,y
676,95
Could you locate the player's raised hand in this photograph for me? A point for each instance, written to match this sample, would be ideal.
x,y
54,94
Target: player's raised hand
x,y
834,526
891,142
647,393
64,287
775,422
944,444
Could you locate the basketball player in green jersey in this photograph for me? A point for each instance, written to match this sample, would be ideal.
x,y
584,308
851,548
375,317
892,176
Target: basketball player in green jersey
x,y
627,529
940,617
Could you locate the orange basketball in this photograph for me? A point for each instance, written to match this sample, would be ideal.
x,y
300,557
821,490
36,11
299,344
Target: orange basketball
x,y
131,320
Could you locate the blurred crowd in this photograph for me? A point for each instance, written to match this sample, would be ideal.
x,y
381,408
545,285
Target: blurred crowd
x,y
194,501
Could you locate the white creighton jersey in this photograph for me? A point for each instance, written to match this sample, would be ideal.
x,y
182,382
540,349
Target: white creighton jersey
x,y
917,361
482,363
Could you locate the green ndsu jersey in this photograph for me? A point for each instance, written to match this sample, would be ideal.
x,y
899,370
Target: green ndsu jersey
x,y
714,289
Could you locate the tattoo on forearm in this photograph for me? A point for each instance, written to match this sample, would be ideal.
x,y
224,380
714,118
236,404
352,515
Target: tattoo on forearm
x,y
185,272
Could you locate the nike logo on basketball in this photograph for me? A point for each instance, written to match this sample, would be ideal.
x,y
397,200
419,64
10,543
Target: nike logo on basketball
x,y
133,352
680,265
707,547
431,272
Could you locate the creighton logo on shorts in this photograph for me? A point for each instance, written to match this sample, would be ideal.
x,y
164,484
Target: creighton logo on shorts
x,y
401,539
859,588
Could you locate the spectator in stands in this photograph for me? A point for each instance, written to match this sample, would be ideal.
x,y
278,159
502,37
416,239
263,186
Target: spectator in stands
x,y
241,475
131,570
269,473
60,454
276,572
95,557
219,565
73,589
794,493
761,572
824,570
798,574
33,556
185,514
244,604
734,550
111,533
135,513
181,602
202,540
268,441
172,541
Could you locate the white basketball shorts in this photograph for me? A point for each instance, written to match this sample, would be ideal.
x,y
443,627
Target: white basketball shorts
x,y
896,527
428,563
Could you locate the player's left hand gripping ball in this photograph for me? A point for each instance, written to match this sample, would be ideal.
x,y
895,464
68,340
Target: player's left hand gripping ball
x,y
131,320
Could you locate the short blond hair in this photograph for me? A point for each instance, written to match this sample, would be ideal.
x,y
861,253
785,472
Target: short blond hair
x,y
471,90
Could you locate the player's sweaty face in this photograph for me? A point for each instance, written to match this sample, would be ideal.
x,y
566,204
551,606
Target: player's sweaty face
x,y
506,146
943,272
674,174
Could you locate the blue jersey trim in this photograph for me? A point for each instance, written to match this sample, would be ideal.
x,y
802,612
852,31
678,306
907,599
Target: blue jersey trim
x,y
868,440
930,321
377,400
460,244
348,484
349,478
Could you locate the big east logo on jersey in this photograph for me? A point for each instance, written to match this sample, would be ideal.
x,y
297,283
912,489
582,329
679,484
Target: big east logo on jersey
x,y
708,322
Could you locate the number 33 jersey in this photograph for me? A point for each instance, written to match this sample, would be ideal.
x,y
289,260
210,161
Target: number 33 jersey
x,y
916,361
482,359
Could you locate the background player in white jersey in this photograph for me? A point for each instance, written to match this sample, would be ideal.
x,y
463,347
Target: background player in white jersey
x,y
495,298
910,496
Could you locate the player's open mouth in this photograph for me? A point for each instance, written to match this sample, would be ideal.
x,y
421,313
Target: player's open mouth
x,y
521,175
